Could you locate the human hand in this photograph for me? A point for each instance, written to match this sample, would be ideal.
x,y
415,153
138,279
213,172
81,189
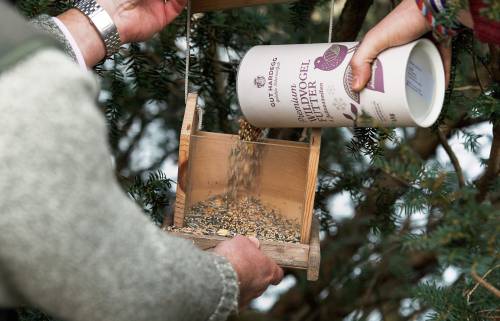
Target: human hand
x,y
138,20
255,270
403,25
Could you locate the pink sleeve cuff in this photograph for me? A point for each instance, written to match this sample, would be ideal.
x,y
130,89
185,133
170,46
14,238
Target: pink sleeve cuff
x,y
72,42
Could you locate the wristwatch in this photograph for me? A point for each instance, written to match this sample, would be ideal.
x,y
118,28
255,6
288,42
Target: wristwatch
x,y
102,22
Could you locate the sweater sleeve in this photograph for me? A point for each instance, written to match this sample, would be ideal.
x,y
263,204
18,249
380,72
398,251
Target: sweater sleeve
x,y
56,28
71,242
47,24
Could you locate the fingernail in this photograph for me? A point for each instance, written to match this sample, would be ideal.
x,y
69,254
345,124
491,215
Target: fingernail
x,y
355,83
255,241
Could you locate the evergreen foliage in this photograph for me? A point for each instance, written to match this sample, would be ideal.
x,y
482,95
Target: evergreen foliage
x,y
414,216
153,195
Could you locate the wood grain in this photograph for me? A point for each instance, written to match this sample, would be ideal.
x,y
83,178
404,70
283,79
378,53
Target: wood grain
x,y
312,174
289,255
189,127
280,183
314,260
269,141
213,5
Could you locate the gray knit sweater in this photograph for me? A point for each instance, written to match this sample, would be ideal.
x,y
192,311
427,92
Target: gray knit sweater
x,y
71,242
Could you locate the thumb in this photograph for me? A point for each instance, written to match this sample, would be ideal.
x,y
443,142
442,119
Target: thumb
x,y
361,66
173,8
255,241
374,42
404,24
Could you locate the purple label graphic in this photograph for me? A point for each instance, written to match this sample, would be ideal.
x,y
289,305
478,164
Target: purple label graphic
x,y
376,82
348,116
354,117
332,58
354,110
347,84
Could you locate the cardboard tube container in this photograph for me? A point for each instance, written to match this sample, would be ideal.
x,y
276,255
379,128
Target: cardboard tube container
x,y
309,85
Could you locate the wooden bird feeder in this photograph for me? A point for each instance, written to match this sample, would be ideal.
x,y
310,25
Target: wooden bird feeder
x,y
286,182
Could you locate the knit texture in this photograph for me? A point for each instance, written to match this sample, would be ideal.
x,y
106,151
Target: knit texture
x,y
18,39
46,24
71,242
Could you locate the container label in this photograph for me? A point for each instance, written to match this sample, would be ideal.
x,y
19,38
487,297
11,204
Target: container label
x,y
347,84
332,58
308,96
271,82
310,86
412,79
376,82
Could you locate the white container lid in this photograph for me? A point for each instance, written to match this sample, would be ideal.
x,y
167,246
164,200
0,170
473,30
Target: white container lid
x,y
424,83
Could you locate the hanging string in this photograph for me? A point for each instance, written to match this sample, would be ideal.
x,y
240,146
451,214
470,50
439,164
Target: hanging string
x,y
332,13
188,50
188,42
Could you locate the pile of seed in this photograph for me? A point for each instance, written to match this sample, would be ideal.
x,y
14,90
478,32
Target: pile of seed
x,y
223,216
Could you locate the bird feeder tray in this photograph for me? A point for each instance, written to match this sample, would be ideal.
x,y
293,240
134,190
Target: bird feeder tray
x,y
214,5
286,181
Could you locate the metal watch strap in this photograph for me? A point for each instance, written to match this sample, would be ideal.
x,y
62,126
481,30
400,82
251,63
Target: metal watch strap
x,y
102,22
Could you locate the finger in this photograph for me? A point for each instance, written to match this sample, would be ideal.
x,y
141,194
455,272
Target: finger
x,y
243,305
173,8
278,275
255,241
253,294
361,67
446,55
372,45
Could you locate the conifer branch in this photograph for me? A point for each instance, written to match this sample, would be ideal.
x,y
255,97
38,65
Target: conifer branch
x,y
123,159
471,291
400,180
330,172
425,141
474,66
493,170
483,282
467,88
453,158
494,62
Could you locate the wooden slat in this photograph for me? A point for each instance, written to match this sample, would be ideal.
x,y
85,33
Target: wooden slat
x,y
312,173
213,5
289,255
209,168
314,253
232,138
189,126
